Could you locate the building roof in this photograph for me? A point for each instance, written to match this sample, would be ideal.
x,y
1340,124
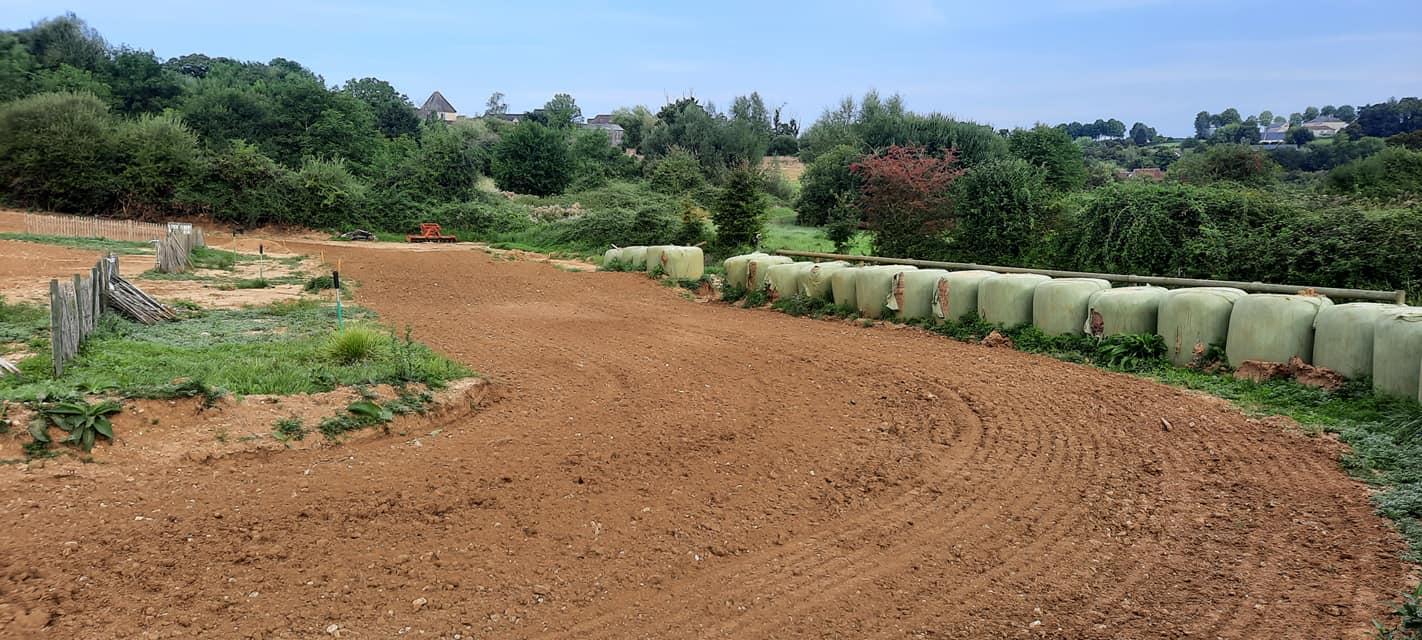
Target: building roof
x,y
437,104
601,118
1325,120
603,126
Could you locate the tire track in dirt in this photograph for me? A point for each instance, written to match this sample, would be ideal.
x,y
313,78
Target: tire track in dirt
x,y
646,474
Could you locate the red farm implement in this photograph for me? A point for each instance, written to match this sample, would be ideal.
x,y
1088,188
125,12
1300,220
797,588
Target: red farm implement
x,y
429,232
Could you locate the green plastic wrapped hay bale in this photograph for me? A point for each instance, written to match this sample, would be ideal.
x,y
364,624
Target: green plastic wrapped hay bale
x,y
1193,319
611,257
1271,327
1124,311
1397,353
1005,299
872,286
1343,337
784,279
736,266
652,260
758,271
956,294
1059,306
911,294
635,258
842,286
683,263
816,283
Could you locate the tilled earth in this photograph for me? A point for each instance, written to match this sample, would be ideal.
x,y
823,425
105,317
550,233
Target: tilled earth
x,y
659,468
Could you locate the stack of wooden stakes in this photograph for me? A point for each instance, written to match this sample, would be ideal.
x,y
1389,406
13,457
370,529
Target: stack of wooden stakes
x,y
75,307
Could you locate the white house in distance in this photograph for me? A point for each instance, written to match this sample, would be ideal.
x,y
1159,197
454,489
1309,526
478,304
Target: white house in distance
x,y
1325,126
437,107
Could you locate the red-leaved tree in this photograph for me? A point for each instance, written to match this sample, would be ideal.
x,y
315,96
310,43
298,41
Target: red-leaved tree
x,y
904,195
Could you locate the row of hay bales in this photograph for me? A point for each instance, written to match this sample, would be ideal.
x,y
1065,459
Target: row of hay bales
x,y
681,263
1355,340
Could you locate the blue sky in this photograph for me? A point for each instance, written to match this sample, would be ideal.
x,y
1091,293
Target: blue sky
x,y
1005,63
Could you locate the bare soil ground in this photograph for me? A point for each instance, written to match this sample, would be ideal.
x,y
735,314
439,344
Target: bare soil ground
x,y
657,468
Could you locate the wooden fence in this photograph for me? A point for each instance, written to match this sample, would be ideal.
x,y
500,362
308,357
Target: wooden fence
x,y
86,227
76,307
175,251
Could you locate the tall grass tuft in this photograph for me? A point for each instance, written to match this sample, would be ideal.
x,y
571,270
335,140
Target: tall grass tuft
x,y
356,344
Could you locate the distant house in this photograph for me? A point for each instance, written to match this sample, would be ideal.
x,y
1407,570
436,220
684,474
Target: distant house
x,y
614,131
1325,126
1274,134
601,118
438,108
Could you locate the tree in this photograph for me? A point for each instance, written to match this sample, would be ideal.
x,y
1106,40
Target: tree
x,y
1310,113
1266,116
1227,117
1298,135
1327,110
394,113
495,106
1236,133
1141,134
1393,173
160,159
740,211
1278,120
1203,121
57,152
676,173
1346,113
533,159
635,123
1390,118
1226,163
827,182
1296,119
1115,128
562,112
1003,211
140,84
906,199
66,40
1052,150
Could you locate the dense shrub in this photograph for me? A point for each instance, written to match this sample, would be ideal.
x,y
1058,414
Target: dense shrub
x,y
826,182
325,195
1336,246
906,200
1004,212
1226,163
596,161
57,151
677,172
243,186
740,213
622,227
783,145
1410,140
1392,173
1052,150
876,124
160,159
1322,157
533,159
1163,229
481,216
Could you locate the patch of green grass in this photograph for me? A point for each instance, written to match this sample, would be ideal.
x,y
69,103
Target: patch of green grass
x,y
154,274
252,283
288,429
120,247
23,323
781,232
276,349
209,258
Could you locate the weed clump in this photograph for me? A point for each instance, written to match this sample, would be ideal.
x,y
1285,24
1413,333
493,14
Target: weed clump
x,y
356,344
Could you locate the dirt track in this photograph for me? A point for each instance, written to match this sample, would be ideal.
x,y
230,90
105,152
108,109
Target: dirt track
x,y
657,468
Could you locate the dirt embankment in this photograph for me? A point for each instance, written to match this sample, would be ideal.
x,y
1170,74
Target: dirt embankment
x,y
661,468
